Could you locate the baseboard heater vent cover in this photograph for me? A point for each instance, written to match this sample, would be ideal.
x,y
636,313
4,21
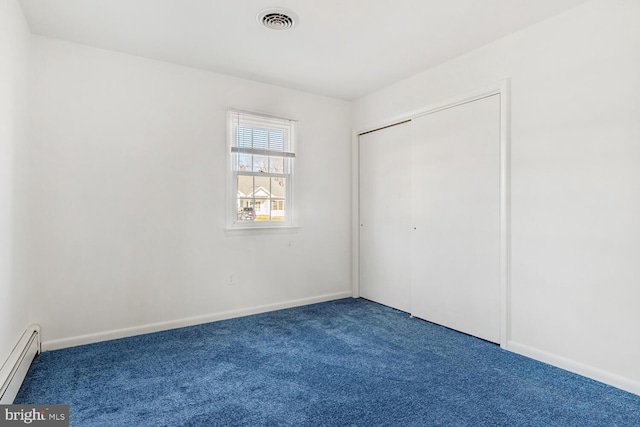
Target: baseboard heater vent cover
x,y
15,368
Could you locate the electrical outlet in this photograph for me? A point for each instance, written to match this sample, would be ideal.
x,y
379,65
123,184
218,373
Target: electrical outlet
x,y
231,279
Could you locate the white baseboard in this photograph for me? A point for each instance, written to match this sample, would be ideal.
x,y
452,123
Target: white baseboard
x,y
190,321
576,367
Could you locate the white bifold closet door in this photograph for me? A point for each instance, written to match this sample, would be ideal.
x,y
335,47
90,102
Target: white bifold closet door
x,y
455,205
385,216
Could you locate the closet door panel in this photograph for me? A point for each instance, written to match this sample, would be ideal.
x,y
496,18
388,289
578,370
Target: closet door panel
x,y
456,218
385,216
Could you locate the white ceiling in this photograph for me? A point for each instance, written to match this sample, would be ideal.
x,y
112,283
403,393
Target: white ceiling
x,y
340,48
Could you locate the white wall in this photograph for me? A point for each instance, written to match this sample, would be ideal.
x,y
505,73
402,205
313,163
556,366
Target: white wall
x,y
14,63
575,140
128,197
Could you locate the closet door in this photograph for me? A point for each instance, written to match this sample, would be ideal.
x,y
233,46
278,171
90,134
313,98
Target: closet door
x,y
455,214
385,216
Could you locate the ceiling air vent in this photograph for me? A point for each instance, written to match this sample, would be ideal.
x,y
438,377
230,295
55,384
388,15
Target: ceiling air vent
x,y
277,19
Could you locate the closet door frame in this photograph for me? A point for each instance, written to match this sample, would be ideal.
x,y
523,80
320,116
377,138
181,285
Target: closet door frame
x,y
501,88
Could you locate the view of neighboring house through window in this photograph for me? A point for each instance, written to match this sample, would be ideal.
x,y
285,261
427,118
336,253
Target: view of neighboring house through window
x,y
262,155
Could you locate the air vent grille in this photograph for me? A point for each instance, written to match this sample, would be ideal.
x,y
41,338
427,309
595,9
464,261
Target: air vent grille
x,y
277,19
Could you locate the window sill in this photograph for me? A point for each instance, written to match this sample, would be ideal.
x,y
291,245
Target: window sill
x,y
246,231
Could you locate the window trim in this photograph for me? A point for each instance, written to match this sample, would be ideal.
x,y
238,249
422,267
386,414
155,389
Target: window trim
x,y
231,203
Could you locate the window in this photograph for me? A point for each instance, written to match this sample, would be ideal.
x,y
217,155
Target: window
x,y
262,156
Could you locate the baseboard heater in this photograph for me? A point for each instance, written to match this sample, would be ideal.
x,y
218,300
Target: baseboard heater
x,y
15,368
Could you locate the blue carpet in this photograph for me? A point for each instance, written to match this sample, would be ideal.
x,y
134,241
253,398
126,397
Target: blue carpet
x,y
342,363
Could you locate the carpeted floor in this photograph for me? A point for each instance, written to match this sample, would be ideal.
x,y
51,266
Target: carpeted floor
x,y
342,363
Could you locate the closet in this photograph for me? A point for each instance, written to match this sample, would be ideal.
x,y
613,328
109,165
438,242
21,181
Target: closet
x,y
430,206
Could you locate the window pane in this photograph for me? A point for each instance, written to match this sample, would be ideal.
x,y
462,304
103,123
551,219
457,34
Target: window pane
x,y
262,210
262,187
276,164
244,162
277,210
278,188
245,198
245,186
261,163
262,196
278,194
246,211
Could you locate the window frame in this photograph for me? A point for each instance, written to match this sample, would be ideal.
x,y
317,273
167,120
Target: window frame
x,y
289,126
